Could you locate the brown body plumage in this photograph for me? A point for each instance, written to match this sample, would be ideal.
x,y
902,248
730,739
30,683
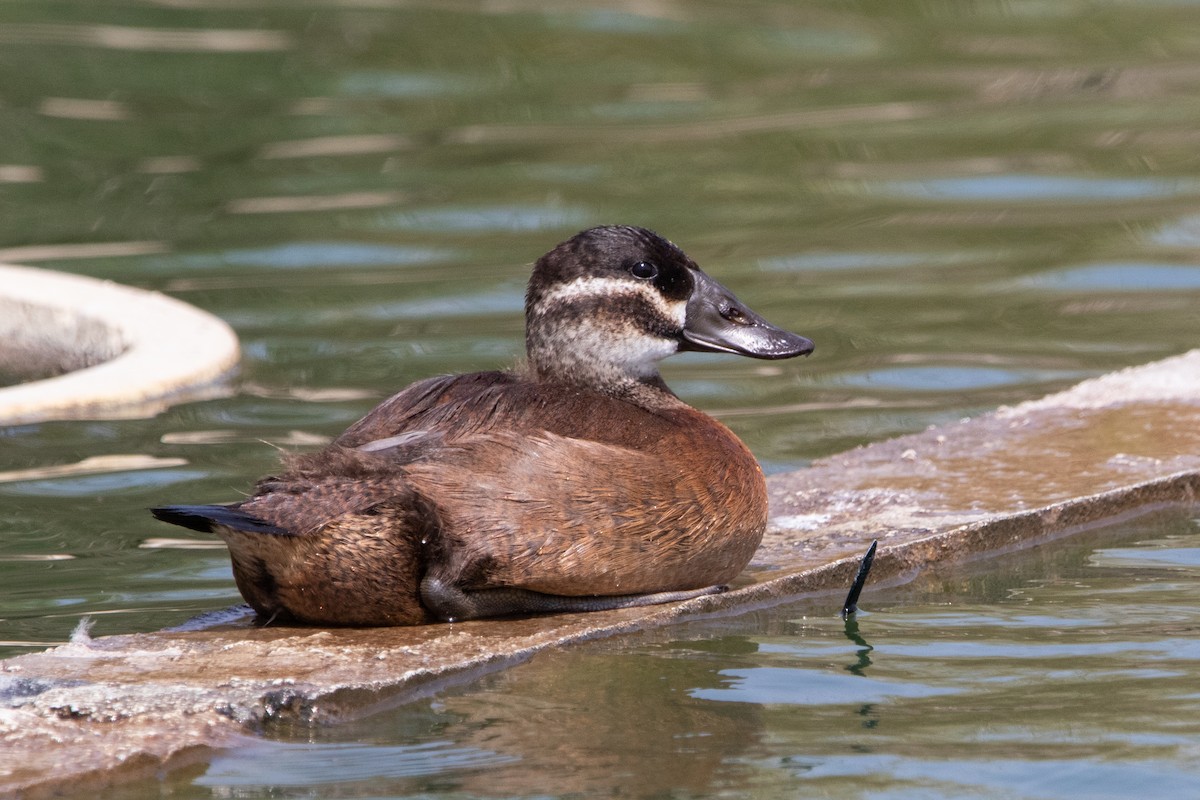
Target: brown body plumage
x,y
577,482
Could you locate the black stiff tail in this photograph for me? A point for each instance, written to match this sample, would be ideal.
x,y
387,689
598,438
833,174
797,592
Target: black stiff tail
x,y
204,518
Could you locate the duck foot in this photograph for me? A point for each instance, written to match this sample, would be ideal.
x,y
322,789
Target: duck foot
x,y
451,604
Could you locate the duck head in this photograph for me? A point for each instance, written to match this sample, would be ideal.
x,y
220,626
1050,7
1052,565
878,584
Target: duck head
x,y
604,307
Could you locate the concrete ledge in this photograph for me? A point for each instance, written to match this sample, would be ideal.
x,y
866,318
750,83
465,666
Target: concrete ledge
x,y
98,349
122,706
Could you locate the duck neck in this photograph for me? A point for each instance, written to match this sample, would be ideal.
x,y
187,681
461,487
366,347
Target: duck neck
x,y
603,363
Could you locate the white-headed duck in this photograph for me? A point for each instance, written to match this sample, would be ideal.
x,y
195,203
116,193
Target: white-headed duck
x,y
576,482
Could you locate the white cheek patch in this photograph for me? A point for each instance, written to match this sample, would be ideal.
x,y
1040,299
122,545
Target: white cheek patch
x,y
636,352
611,353
586,288
676,310
610,344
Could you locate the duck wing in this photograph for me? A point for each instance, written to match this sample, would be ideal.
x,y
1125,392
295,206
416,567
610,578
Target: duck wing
x,y
446,405
437,411
570,516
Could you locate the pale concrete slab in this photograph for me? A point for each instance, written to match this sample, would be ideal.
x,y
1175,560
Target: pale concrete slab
x,y
125,706
102,349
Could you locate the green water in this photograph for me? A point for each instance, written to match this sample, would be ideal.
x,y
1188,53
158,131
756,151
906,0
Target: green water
x,y
963,204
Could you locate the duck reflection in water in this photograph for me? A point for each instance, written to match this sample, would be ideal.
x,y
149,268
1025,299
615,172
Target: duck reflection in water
x,y
576,482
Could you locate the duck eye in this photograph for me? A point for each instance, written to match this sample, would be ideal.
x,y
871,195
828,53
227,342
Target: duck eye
x,y
646,270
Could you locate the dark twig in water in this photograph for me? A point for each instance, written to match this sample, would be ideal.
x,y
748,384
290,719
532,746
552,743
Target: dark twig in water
x,y
864,569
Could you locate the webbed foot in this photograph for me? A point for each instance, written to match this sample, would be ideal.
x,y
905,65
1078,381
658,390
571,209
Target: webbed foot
x,y
451,604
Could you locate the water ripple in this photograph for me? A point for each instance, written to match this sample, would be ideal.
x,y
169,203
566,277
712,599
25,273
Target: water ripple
x,y
118,37
1033,188
310,255
947,378
809,687
303,765
1119,277
408,84
487,219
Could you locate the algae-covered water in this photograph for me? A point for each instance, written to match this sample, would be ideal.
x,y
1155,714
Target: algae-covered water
x,y
964,204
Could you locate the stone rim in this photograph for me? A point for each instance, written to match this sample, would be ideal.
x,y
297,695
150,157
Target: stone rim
x,y
127,352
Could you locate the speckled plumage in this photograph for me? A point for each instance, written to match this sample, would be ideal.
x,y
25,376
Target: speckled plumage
x,y
578,476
